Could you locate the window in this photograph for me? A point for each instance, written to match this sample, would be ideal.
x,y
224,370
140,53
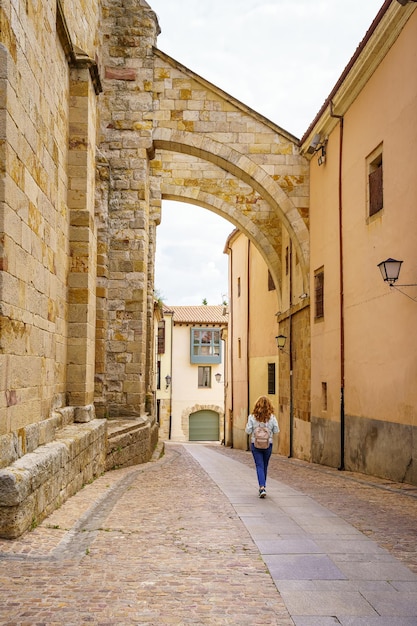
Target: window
x,y
158,374
271,378
161,337
375,184
204,376
205,345
319,293
324,396
238,287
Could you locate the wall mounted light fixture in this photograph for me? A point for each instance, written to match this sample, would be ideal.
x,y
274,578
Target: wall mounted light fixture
x,y
281,339
322,155
390,272
167,381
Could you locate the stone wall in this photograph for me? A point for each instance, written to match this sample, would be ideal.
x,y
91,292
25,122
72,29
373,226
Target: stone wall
x,y
75,268
372,447
130,442
127,244
59,456
41,480
381,449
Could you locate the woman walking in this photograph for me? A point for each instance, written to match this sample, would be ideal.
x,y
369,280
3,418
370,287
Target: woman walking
x,y
262,425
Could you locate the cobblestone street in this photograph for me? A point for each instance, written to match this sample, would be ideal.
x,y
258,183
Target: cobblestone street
x,y
161,544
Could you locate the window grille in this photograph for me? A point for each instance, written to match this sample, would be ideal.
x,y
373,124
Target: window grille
x,y
319,294
271,378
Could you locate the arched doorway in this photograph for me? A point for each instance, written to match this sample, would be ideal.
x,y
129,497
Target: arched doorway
x,y
204,426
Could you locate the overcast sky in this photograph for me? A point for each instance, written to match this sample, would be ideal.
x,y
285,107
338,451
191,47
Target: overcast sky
x,y
281,58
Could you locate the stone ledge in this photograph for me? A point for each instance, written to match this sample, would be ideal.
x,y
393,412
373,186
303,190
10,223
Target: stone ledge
x,y
130,441
16,445
37,483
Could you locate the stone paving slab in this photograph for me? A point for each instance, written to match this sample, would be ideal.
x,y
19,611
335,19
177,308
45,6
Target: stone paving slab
x,y
328,604
373,621
302,567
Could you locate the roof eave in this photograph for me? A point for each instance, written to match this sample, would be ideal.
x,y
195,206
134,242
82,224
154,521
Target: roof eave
x,y
379,38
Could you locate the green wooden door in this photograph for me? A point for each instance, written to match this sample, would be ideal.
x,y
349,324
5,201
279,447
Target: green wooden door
x,y
204,426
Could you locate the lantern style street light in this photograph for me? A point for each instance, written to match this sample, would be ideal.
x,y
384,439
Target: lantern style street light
x,y
390,270
281,339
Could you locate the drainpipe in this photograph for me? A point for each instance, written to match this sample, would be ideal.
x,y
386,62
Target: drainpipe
x,y
172,378
230,342
291,453
341,301
248,329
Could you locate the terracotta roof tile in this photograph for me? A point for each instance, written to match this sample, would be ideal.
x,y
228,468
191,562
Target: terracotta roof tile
x,y
203,314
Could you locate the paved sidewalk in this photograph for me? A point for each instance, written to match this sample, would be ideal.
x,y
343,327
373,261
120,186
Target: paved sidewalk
x,y
326,571
178,541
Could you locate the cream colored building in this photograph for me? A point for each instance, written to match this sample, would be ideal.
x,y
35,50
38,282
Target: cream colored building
x,y
191,399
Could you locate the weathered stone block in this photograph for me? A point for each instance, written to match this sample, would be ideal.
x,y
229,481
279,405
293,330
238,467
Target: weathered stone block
x,y
14,485
84,414
9,449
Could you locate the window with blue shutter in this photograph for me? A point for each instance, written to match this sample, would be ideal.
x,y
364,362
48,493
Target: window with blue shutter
x,y
205,345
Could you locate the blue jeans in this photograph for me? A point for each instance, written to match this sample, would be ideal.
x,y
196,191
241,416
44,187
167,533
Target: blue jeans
x,y
261,458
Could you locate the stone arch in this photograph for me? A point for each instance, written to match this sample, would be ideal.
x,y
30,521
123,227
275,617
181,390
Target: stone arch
x,y
241,166
230,212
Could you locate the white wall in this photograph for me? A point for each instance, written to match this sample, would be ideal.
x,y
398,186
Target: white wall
x,y
186,395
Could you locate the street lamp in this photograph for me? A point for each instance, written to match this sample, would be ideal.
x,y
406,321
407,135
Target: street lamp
x,y
281,339
390,270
